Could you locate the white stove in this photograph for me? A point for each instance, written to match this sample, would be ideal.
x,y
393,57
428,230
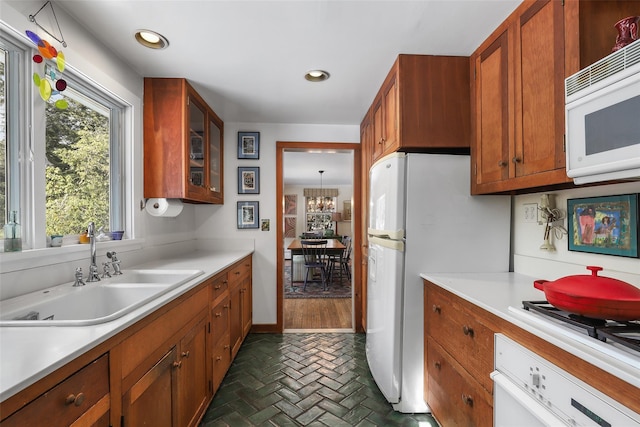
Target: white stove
x,y
531,391
609,350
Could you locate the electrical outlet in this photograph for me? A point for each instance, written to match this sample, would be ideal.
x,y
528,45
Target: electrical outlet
x,y
530,212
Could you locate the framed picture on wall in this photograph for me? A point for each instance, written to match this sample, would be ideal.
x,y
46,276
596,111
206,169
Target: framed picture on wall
x,y
604,225
290,204
248,145
248,215
290,226
248,180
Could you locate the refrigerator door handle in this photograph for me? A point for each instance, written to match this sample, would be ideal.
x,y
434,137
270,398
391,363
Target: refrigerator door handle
x,y
387,234
397,245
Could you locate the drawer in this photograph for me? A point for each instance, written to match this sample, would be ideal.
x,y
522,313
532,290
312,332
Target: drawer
x,y
454,397
221,360
220,320
461,333
240,270
67,401
219,285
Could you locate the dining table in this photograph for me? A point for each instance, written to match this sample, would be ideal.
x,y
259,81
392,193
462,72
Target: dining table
x,y
334,248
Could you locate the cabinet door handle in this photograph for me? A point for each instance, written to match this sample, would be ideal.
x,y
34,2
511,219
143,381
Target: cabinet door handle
x,y
467,330
226,306
225,281
185,353
218,358
75,399
468,400
516,159
502,163
438,365
177,364
236,272
218,314
436,309
226,347
216,287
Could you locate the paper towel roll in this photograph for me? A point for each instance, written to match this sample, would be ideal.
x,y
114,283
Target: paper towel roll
x,y
164,207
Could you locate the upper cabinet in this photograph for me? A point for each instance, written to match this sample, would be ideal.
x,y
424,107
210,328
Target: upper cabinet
x,y
421,106
517,87
182,143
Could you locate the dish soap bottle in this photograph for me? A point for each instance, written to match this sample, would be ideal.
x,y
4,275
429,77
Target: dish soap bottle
x,y
12,234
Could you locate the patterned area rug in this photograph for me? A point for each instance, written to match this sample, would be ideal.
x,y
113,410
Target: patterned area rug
x,y
336,289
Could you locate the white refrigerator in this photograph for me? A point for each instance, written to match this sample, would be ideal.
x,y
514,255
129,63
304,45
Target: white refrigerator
x,y
422,219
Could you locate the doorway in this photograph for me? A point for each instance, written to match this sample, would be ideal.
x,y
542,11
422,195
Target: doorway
x,y
296,311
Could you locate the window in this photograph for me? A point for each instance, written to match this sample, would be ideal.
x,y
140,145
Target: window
x,y
81,150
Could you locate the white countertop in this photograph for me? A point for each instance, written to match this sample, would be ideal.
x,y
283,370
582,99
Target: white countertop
x,y
28,354
496,292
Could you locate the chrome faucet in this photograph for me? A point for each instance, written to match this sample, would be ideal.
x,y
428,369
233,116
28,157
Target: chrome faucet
x,y
93,267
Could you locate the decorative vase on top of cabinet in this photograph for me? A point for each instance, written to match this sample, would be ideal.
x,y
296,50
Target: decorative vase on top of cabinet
x,y
182,143
517,89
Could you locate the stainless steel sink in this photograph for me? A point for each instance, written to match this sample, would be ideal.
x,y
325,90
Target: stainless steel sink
x,y
94,303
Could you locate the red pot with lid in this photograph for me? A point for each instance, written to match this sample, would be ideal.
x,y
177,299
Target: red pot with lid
x,y
593,296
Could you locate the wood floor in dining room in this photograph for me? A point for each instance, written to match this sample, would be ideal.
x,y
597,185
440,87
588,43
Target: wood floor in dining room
x,y
317,313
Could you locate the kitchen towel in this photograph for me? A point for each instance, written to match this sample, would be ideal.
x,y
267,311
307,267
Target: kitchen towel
x,y
164,207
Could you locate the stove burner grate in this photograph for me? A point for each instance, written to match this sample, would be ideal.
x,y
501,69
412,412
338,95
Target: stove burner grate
x,y
624,333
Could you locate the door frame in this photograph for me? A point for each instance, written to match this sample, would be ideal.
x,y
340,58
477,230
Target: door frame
x,y
356,219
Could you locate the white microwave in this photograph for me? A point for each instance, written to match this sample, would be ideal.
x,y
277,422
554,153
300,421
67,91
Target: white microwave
x,y
603,119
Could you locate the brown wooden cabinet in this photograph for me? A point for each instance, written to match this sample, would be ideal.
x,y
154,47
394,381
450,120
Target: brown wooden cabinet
x,y
183,155
162,371
240,312
459,359
81,399
422,105
517,85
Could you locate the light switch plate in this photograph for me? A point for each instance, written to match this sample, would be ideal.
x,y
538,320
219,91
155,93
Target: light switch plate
x,y
530,212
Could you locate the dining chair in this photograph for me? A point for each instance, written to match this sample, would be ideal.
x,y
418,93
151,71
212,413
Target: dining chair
x,y
312,235
314,253
342,263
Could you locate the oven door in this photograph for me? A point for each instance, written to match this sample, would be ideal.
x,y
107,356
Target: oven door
x,y
514,407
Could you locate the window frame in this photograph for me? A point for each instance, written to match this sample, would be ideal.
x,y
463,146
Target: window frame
x,y
28,136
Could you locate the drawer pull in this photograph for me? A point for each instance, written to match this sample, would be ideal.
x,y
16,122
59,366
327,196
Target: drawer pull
x,y
436,309
216,287
468,400
236,272
467,331
73,399
438,365
185,353
177,364
218,314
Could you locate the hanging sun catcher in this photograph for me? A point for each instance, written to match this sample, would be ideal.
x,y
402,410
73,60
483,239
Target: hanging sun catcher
x,y
50,84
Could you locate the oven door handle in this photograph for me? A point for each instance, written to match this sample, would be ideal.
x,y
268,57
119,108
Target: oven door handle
x,y
532,406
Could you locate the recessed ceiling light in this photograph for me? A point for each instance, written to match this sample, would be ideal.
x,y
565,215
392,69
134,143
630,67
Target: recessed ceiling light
x,y
316,75
151,39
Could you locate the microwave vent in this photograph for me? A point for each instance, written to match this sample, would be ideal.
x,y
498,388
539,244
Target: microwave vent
x,y
606,67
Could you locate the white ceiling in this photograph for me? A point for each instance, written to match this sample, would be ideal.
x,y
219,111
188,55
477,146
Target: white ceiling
x,y
302,168
248,58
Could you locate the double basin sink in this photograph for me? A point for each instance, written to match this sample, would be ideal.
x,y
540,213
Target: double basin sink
x,y
94,303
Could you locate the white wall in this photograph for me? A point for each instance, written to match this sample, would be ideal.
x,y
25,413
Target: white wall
x,y
527,238
219,222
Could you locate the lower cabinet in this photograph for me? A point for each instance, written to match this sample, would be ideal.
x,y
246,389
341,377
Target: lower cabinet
x,y
453,395
459,360
81,399
161,371
149,402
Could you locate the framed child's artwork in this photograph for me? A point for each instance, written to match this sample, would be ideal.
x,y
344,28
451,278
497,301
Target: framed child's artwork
x,y
605,225
248,180
248,145
248,215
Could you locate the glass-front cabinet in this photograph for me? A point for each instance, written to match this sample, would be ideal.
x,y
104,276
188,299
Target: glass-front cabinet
x,y
182,143
318,213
